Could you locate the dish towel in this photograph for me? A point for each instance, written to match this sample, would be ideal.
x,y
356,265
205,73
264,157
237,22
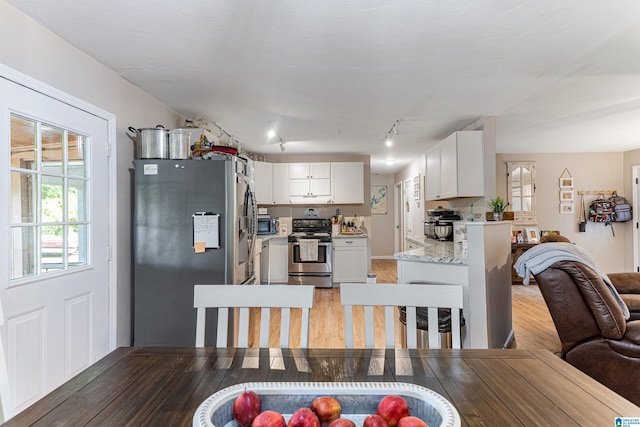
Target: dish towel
x,y
542,256
309,249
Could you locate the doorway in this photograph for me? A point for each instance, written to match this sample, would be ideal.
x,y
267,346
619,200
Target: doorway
x,y
399,218
56,288
636,205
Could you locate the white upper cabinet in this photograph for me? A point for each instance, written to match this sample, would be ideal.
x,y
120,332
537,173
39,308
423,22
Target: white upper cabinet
x,y
263,182
309,170
270,182
309,182
347,182
455,167
280,180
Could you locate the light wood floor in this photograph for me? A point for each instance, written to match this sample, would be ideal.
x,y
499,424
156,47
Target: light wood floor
x,y
532,322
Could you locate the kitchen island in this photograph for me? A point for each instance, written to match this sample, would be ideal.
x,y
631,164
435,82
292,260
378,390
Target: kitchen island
x,y
482,268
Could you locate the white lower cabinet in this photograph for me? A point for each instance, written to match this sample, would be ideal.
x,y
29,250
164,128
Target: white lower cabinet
x,y
350,262
279,260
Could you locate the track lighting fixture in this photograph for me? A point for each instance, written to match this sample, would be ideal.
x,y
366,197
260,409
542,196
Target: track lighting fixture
x,y
273,133
394,130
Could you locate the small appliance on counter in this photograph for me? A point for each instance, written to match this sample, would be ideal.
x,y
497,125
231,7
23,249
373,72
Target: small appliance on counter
x,y
439,225
267,225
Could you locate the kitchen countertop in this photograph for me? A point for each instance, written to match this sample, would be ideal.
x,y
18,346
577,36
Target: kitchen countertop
x,y
435,251
272,236
350,236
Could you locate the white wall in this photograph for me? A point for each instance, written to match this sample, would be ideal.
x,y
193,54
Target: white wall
x,y
590,171
383,226
33,50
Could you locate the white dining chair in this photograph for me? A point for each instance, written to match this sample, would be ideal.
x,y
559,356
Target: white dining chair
x,y
245,297
390,296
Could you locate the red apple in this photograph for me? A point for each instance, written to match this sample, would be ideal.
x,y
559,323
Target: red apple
x,y
246,407
269,419
326,408
375,421
342,422
303,417
411,422
392,408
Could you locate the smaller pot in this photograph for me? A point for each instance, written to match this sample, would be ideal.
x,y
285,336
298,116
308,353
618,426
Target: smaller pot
x,y
179,144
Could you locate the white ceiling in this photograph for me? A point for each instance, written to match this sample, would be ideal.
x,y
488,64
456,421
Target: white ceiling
x,y
334,75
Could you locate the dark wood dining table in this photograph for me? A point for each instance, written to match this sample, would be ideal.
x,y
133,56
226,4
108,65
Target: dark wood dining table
x,y
165,386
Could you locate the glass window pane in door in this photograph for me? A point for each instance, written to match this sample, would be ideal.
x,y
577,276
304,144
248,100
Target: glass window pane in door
x,y
76,200
23,252
52,243
76,155
52,149
23,197
23,143
52,199
77,244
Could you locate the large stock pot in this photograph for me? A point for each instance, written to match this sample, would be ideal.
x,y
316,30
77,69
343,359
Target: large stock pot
x,y
152,143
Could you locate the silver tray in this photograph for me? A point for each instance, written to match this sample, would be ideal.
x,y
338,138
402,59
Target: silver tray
x,y
358,400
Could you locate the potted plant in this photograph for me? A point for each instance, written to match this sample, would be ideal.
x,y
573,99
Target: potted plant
x,y
497,206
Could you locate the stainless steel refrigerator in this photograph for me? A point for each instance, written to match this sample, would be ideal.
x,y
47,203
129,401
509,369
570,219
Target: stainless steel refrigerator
x,y
194,222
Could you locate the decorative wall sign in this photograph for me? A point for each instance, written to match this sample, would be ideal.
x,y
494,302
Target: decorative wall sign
x,y
378,199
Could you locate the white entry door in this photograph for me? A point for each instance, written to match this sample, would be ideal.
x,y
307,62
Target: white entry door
x,y
54,228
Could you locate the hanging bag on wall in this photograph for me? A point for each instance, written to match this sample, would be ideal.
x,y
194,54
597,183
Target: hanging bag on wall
x,y
621,208
601,210
582,225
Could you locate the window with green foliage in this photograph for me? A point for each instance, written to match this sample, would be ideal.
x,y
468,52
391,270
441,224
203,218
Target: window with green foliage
x,y
48,198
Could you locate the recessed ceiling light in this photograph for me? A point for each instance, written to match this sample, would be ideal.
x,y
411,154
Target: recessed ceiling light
x,y
388,142
389,161
271,134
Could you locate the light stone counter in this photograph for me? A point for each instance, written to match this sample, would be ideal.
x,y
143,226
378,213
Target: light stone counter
x,y
435,251
350,236
272,236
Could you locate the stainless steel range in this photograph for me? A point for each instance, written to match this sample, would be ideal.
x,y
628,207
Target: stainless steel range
x,y
310,252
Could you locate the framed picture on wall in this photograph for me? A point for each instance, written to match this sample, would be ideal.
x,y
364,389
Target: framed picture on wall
x,y
566,183
566,208
378,199
566,196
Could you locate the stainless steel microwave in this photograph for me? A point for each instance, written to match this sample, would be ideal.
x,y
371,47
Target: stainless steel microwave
x,y
267,225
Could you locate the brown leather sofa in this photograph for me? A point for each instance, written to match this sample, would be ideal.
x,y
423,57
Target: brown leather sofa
x,y
594,334
628,286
